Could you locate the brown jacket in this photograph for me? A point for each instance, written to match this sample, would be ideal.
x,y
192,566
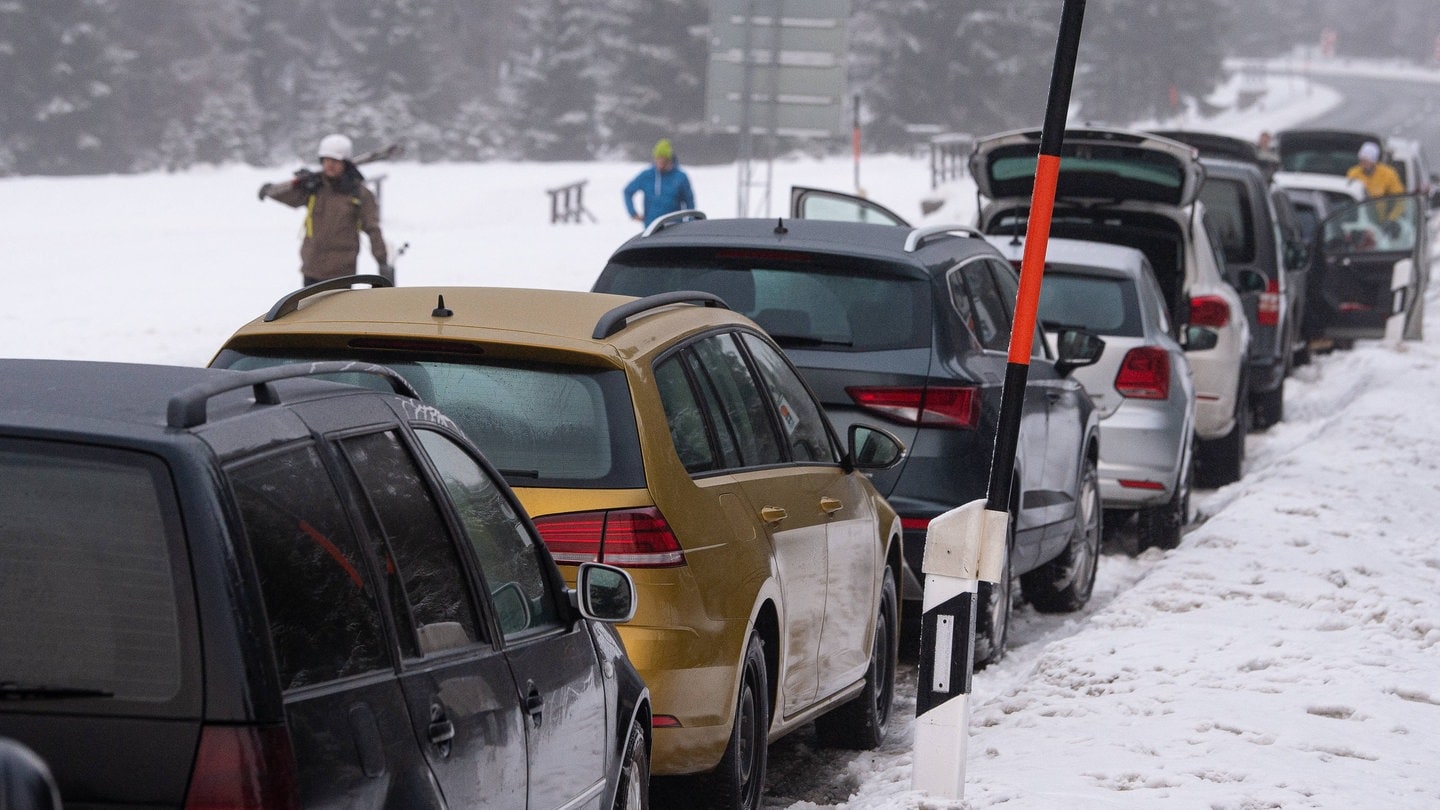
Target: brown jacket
x,y
336,212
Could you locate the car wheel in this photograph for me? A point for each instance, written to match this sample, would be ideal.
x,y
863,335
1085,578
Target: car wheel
x,y
1221,461
1268,407
633,791
1064,584
994,601
1162,526
862,723
739,780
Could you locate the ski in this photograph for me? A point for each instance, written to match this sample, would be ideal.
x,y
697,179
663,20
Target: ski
x,y
384,153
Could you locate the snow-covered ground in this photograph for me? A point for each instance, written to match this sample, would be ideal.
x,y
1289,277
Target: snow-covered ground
x,y
1287,654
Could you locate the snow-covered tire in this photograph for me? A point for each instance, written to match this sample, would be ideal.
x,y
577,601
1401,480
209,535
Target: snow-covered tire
x,y
1065,583
633,792
994,601
738,782
1162,526
861,724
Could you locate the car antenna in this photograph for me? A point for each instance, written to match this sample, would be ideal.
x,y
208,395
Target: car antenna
x,y
780,225
440,310
1015,231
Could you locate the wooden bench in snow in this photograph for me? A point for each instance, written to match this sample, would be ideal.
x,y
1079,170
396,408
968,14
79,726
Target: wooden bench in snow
x,y
567,203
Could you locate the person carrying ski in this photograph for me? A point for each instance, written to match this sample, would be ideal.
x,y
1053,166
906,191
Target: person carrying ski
x,y
338,207
664,188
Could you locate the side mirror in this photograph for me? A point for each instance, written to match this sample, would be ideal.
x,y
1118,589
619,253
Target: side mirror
x,y
873,449
607,594
1077,348
1200,339
1252,281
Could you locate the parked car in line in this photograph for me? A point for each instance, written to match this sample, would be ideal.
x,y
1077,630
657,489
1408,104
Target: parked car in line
x,y
1141,386
1259,231
669,436
1334,151
260,589
907,329
1143,191
1314,196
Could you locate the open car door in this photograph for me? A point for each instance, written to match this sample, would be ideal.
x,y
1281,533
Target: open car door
x,y
1371,266
816,203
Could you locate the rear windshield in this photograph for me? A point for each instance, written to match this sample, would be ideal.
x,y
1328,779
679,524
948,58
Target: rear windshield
x,y
1320,160
87,596
1105,306
1231,218
800,306
540,424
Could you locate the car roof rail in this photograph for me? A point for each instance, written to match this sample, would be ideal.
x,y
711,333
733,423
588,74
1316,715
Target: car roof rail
x,y
671,218
919,236
186,408
291,302
617,318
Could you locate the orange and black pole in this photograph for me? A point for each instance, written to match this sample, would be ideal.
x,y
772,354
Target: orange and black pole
x,y
967,545
1032,263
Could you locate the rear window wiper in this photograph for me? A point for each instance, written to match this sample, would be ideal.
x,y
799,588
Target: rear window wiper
x,y
15,690
1056,326
520,473
807,340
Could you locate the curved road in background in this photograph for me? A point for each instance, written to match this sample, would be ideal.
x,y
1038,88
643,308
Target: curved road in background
x,y
1388,106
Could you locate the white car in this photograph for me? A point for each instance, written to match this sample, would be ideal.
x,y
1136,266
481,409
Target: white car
x,y
1137,190
1141,387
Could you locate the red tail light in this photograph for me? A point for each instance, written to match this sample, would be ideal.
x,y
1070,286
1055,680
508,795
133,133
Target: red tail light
x,y
243,768
1209,310
935,406
1269,311
1144,373
914,524
629,538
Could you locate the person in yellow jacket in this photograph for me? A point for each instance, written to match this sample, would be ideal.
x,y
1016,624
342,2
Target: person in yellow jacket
x,y
338,207
1379,179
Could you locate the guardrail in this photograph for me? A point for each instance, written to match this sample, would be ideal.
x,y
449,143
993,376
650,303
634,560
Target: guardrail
x,y
567,203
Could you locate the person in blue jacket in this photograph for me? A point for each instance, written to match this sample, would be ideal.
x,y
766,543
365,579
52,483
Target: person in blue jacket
x,y
665,188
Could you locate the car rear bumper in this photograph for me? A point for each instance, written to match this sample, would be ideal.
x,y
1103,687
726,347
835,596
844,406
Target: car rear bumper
x,y
1142,445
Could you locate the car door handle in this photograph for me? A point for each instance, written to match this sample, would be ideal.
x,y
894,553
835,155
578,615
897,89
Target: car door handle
x,y
441,730
830,505
773,514
534,704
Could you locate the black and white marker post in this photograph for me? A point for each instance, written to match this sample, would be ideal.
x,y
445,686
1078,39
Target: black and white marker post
x,y
967,544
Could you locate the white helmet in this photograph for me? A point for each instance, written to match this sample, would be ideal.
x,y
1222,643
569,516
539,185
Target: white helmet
x,y
336,146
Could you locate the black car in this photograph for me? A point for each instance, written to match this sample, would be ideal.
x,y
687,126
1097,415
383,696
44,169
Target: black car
x,y
255,589
907,329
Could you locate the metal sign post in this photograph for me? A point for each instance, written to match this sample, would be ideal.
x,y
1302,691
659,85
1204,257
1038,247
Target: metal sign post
x,y
968,543
777,68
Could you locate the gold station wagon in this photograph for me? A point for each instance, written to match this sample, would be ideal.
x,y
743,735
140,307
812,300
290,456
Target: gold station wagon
x,y
667,435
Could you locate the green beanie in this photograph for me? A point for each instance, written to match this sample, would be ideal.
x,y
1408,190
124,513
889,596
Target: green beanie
x,y
663,149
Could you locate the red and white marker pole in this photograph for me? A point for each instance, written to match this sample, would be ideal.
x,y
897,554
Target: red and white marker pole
x,y
967,544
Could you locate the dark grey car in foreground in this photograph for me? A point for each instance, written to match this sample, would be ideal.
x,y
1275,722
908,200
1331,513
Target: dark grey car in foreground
x,y
251,589
907,329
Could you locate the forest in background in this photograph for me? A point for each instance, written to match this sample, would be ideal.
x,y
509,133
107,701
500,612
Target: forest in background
x,y
116,86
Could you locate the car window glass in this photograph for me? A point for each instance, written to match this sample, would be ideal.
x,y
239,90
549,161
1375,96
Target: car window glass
x,y
688,429
800,417
323,611
87,598
1104,305
1233,222
721,430
548,424
985,306
825,306
510,556
743,409
417,544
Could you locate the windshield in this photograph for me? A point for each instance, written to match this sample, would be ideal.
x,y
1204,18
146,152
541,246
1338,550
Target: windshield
x,y
1103,305
540,424
800,306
